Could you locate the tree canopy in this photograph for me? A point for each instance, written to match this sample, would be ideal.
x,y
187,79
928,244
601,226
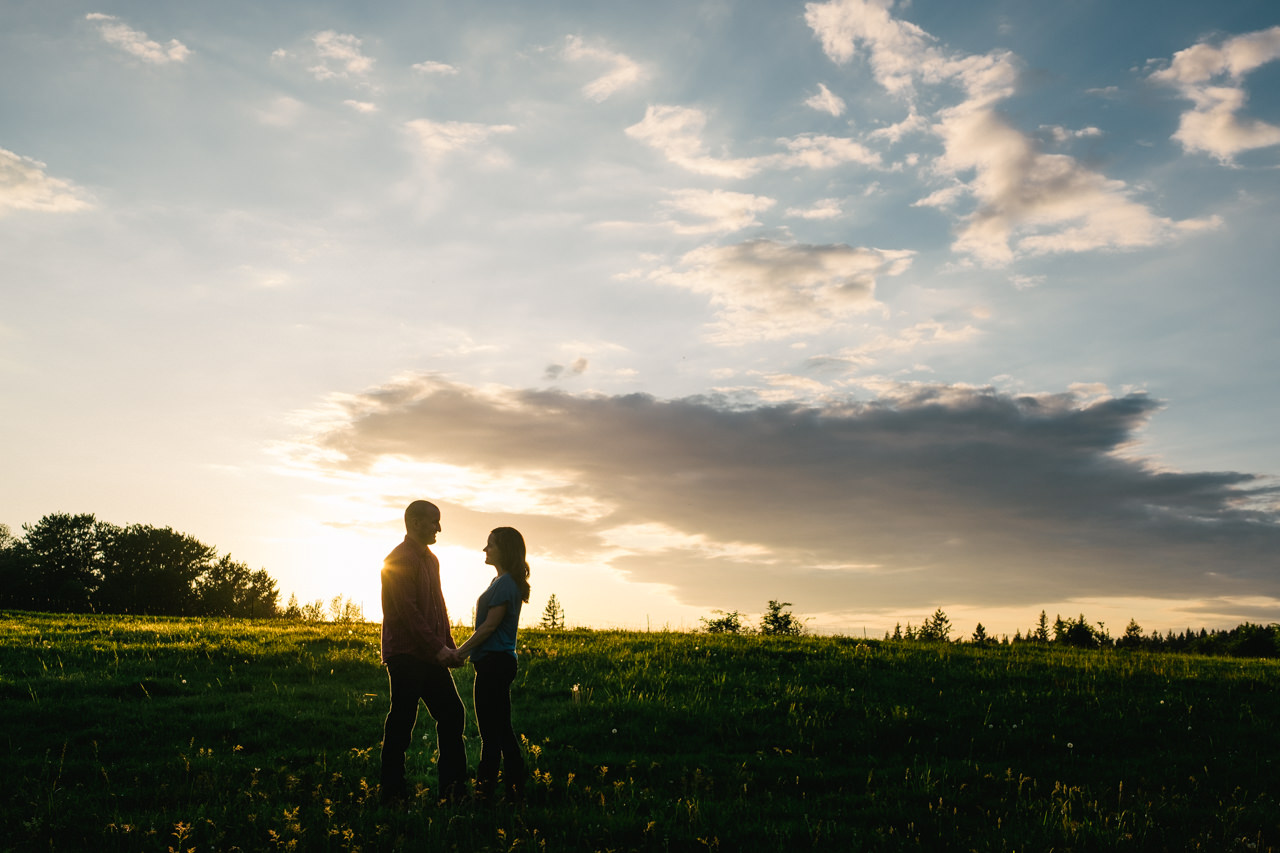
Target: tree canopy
x,y
76,564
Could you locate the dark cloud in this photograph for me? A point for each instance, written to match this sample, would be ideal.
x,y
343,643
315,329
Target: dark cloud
x,y
957,495
555,371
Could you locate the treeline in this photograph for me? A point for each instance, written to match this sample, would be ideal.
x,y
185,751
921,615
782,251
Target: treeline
x,y
77,564
1246,640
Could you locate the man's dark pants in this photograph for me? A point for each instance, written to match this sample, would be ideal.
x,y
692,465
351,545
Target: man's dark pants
x,y
411,680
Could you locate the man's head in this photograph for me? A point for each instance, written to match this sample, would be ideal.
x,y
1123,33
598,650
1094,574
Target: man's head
x,y
422,522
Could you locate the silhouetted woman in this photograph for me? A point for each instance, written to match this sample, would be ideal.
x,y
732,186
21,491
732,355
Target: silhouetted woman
x,y
492,649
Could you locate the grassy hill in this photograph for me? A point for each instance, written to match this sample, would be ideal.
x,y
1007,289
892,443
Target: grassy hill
x,y
156,734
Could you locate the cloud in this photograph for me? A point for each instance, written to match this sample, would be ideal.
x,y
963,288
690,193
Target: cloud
x,y
340,56
24,185
826,208
436,140
623,71
136,43
282,111
723,211
813,151
1061,134
1024,201
677,133
1211,77
914,337
361,106
765,290
556,371
430,67
826,101
929,493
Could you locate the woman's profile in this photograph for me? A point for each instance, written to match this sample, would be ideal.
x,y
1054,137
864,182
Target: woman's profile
x,y
492,649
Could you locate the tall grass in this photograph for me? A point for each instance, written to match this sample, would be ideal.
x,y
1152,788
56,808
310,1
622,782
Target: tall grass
x,y
158,734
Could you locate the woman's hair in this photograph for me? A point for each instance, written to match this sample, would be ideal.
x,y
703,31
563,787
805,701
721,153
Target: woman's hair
x,y
511,552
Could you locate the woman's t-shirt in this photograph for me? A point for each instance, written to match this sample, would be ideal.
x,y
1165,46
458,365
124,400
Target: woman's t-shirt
x,y
503,590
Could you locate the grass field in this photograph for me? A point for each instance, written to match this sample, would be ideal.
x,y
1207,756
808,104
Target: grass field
x,y
168,734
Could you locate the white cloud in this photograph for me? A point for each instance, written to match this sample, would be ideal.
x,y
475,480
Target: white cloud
x,y
430,67
1025,202
340,56
722,211
283,111
910,339
1211,77
24,185
1029,202
826,101
1061,134
435,140
827,208
913,123
623,71
813,151
136,43
361,106
677,133
764,290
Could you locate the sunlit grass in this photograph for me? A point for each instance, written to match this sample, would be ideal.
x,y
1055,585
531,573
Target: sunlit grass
x,y
151,734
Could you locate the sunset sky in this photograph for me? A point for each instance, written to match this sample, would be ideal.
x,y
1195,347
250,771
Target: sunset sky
x,y
874,308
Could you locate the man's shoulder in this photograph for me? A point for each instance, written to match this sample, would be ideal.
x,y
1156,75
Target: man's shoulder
x,y
404,554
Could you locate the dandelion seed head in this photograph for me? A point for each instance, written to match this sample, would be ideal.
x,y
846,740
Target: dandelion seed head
x,y
1071,746
615,731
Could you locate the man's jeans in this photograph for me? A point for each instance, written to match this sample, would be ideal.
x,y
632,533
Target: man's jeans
x,y
413,679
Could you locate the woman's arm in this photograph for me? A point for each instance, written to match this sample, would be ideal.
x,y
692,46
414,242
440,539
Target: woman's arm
x,y
490,624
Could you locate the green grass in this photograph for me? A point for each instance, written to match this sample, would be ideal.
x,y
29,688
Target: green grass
x,y
156,734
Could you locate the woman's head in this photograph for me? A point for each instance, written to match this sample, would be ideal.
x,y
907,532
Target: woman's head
x,y
505,551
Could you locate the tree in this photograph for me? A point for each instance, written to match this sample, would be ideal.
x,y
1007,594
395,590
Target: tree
x,y
777,622
1041,634
15,575
552,615
229,588
727,623
63,558
936,629
75,563
1132,638
313,611
980,635
1078,633
345,611
152,570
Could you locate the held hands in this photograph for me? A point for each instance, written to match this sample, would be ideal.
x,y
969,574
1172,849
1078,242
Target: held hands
x,y
449,657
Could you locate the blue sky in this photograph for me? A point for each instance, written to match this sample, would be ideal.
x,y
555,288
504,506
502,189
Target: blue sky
x,y
870,307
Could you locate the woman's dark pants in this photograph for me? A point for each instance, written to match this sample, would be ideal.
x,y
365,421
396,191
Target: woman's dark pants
x,y
498,744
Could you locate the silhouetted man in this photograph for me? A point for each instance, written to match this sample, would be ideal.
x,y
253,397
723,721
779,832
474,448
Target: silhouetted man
x,y
416,648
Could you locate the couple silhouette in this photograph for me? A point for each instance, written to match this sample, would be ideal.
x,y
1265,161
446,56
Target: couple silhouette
x,y
418,650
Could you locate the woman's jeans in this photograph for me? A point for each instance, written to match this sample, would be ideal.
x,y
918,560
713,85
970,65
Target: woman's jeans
x,y
494,674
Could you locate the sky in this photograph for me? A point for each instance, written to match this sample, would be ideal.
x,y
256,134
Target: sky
x,y
870,307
